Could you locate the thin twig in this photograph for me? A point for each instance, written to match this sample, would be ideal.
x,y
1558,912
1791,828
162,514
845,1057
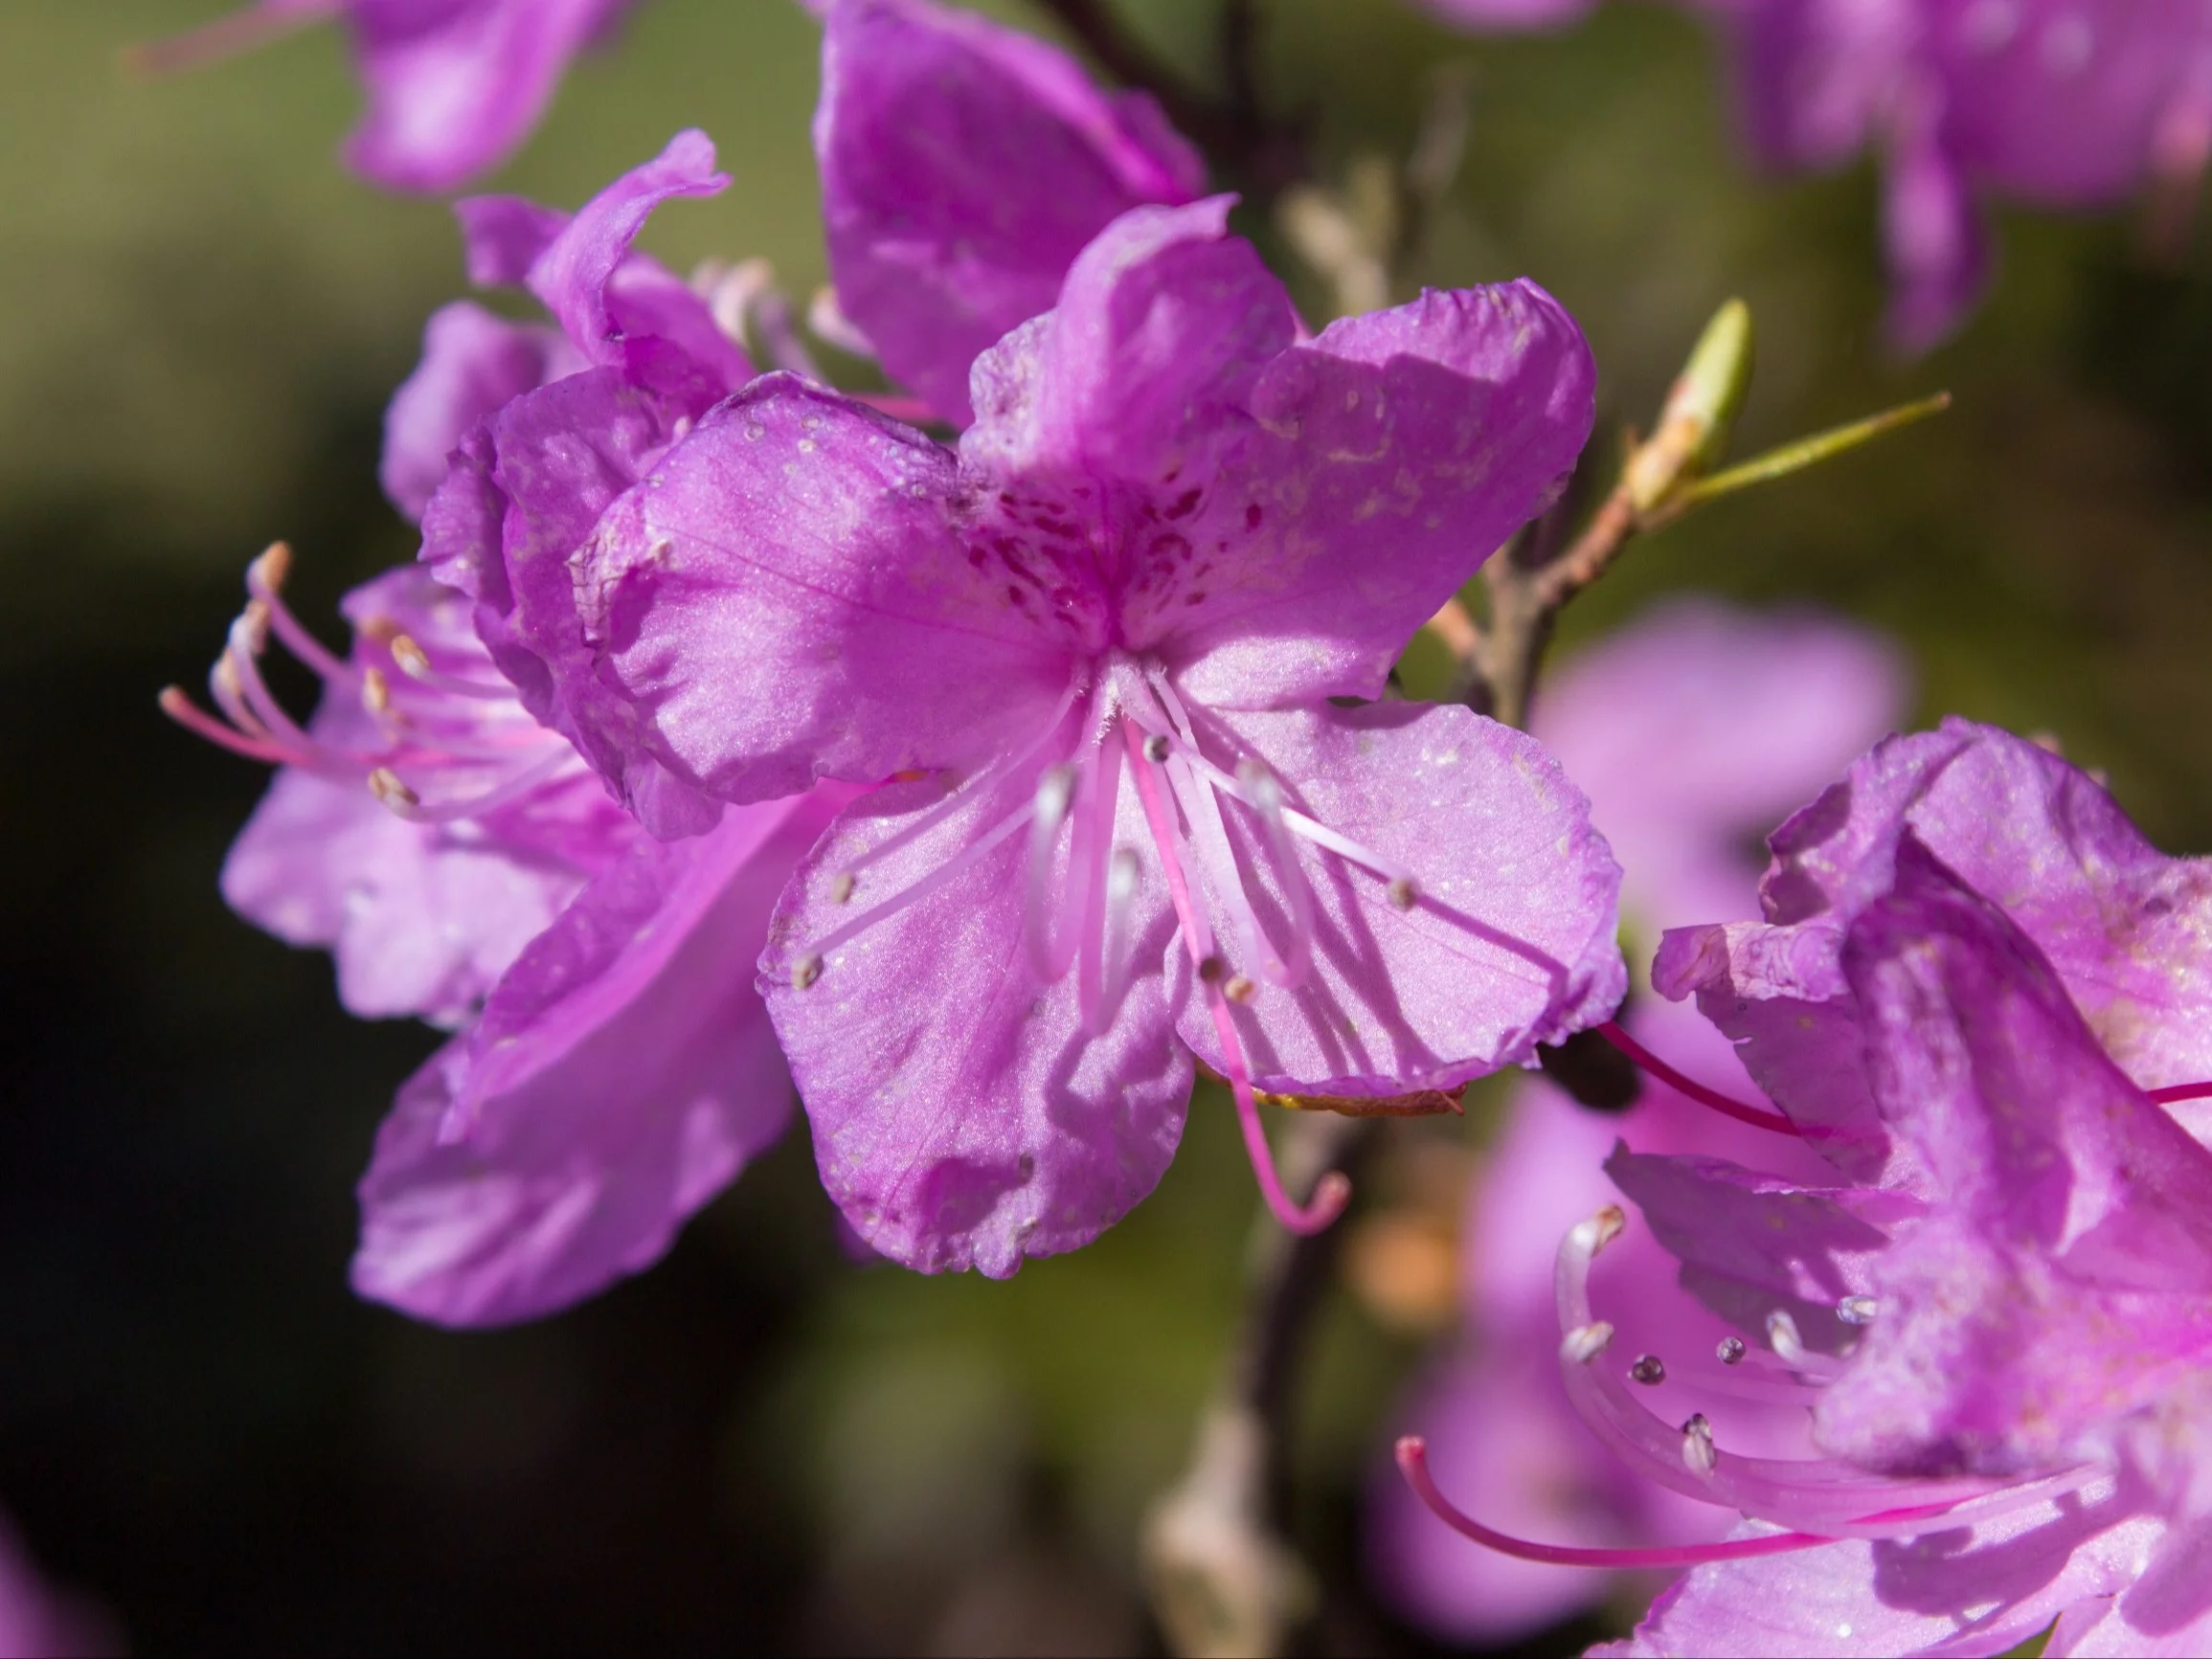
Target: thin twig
x,y
1263,155
1224,1577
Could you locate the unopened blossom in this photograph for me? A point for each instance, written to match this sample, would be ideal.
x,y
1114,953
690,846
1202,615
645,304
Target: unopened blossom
x,y
613,1069
454,86
1091,656
1980,995
1691,728
2064,104
963,167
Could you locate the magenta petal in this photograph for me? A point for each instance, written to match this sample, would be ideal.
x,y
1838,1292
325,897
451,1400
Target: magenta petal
x,y
453,88
604,296
1140,375
420,922
2128,928
523,503
622,1075
962,1115
1939,257
1750,1243
2068,1273
787,600
502,236
473,364
1958,1592
1392,455
963,167
1510,943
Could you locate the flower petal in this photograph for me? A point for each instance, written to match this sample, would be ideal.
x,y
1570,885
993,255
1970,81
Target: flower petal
x,y
1962,1591
963,167
606,296
2128,929
1511,941
514,514
963,1117
454,89
1392,455
620,1076
787,600
473,364
2066,1273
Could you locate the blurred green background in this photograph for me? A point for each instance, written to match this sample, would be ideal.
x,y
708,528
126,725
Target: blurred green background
x,y
759,1445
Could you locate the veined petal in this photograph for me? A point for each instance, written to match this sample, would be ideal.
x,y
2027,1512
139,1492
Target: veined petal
x,y
2066,1276
1750,1243
420,922
558,458
473,364
1139,376
1508,941
1957,1592
453,89
2128,928
1391,455
622,1075
963,167
785,598
964,1114
605,295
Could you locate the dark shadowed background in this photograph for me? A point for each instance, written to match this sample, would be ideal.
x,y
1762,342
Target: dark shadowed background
x,y
759,1445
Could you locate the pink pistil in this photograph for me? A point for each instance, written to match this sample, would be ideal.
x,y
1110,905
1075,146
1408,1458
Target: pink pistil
x,y
1333,1191
1772,1121
225,38
1414,1465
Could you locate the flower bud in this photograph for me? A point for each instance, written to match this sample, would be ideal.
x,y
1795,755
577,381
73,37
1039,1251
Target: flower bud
x,y
1701,411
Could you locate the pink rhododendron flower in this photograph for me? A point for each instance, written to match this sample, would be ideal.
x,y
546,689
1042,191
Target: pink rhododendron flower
x,y
1091,650
963,167
1689,729
454,86
614,1068
2058,102
1980,995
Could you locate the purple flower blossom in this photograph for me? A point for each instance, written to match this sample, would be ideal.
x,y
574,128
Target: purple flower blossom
x,y
614,1068
1689,729
1980,995
454,86
963,167
2058,103
1171,535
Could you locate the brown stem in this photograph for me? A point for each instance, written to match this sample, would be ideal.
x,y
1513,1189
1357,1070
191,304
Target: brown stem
x,y
1234,133
1223,1579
